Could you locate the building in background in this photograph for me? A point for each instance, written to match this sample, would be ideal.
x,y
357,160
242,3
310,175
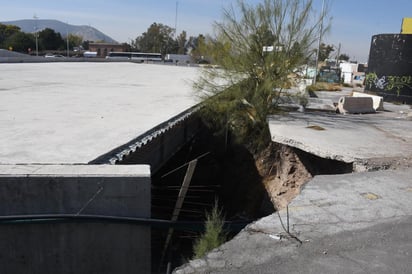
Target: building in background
x,y
406,26
390,65
103,49
353,73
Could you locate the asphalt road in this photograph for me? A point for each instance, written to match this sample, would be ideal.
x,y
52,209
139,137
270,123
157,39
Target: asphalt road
x,y
382,248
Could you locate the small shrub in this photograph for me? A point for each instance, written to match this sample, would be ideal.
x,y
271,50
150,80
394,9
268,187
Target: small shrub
x,y
346,85
214,234
324,87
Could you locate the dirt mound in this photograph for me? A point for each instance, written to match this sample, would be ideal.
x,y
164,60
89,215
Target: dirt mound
x,y
283,173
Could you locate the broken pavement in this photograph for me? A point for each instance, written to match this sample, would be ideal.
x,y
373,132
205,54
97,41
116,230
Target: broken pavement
x,y
348,223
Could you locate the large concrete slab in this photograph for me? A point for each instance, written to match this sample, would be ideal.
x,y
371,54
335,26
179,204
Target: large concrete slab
x,y
369,141
67,189
75,112
352,223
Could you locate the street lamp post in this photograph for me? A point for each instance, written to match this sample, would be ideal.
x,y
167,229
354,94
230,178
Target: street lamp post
x,y
36,35
337,56
37,43
177,4
67,38
320,40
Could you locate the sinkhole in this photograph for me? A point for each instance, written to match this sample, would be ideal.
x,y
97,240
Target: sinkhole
x,y
246,187
224,174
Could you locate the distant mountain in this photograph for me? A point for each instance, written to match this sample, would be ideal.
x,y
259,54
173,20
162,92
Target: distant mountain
x,y
87,32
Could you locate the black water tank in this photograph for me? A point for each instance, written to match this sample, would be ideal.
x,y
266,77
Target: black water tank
x,y
390,67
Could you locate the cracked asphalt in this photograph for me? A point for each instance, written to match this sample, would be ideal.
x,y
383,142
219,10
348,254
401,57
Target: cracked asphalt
x,y
351,223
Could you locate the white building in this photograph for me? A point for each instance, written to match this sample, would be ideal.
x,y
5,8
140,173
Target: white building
x,y
352,73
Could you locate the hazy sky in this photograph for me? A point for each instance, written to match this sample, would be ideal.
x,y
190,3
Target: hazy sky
x,y
353,23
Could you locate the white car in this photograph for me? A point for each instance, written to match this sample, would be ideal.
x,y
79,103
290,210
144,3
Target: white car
x,y
49,55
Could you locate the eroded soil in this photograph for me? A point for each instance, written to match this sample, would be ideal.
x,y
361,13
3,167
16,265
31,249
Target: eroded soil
x,y
285,170
283,173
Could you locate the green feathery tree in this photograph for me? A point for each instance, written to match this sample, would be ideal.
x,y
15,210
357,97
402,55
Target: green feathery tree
x,y
257,50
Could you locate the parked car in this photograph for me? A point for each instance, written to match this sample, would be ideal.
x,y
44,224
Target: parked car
x,y
49,55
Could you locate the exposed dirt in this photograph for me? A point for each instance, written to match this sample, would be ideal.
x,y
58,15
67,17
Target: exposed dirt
x,y
283,173
285,170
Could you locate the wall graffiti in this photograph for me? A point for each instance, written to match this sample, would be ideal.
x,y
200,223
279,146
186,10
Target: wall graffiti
x,y
388,82
390,67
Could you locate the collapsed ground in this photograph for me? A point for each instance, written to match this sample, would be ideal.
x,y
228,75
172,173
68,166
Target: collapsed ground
x,y
247,187
285,170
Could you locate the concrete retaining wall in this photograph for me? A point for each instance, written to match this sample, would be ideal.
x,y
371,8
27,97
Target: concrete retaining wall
x,y
73,246
161,148
156,147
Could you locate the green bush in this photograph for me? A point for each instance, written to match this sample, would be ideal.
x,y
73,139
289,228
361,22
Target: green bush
x,y
214,234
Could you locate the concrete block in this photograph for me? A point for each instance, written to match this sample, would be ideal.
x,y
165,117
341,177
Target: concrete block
x,y
377,100
355,105
68,245
302,84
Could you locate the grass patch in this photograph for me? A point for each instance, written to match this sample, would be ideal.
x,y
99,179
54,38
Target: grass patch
x,y
324,87
214,234
346,85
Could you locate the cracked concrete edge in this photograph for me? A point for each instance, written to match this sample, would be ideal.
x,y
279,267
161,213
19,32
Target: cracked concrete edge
x,y
309,149
376,164
265,239
259,235
359,164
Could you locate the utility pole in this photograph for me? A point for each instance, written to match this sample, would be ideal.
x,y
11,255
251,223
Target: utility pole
x,y
36,34
320,41
337,57
67,38
177,4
